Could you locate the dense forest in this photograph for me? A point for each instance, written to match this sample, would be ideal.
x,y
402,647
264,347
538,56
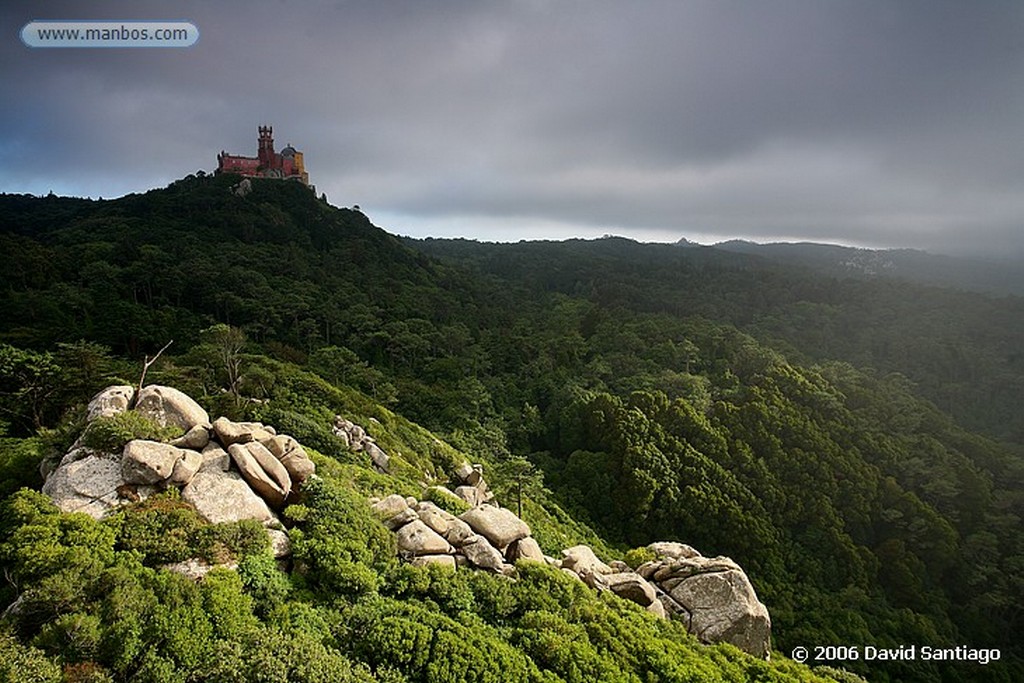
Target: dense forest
x,y
856,444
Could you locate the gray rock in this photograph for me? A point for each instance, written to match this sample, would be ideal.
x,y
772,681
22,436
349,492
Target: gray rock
x,y
647,569
581,559
691,566
261,482
481,553
110,402
281,445
292,455
149,462
432,516
497,525
724,608
657,608
87,485
280,544
185,468
463,471
672,550
195,568
390,506
378,457
458,532
215,458
401,519
443,560
229,433
632,587
419,539
271,465
525,549
196,438
169,407
224,497
470,494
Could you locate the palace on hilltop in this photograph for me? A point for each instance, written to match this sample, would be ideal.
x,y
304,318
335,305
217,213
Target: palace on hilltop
x,y
286,164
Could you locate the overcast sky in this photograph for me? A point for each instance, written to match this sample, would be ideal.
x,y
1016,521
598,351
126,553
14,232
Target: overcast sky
x,y
867,123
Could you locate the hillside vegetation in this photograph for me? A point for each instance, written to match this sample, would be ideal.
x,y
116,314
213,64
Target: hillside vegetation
x,y
854,445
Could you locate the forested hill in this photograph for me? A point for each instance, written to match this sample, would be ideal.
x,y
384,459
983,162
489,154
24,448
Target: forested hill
x,y
855,445
962,350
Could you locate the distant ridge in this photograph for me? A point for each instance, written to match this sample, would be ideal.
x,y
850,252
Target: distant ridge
x,y
971,274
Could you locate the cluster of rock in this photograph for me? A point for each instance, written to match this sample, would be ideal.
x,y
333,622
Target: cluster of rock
x,y
712,596
357,439
484,537
473,488
228,471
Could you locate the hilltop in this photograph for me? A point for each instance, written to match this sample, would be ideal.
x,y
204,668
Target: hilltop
x,y
853,444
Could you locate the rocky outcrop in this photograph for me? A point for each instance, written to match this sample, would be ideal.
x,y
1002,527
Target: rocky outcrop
x,y
486,537
716,598
263,469
473,488
712,596
356,438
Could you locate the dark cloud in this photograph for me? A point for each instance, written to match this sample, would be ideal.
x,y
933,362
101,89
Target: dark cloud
x,y
875,123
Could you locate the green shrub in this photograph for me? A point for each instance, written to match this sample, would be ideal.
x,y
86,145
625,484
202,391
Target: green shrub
x,y
446,500
340,540
110,434
163,528
264,581
637,556
25,664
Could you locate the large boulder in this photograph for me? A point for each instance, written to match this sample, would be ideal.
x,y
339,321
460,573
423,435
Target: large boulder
x,y
196,438
498,525
582,560
389,506
481,553
437,519
186,468
224,497
525,549
443,560
169,407
271,465
417,538
195,568
724,608
672,550
109,402
470,494
292,455
378,457
89,484
228,432
150,462
215,458
632,587
264,483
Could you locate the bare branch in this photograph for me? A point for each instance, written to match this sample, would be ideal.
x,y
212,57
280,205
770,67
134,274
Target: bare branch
x,y
148,362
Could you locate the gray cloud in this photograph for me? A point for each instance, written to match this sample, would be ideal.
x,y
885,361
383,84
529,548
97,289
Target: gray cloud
x,y
875,123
